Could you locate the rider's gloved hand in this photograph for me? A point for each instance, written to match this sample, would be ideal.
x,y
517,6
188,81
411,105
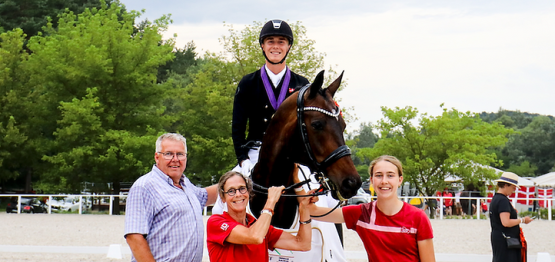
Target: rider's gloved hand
x,y
246,167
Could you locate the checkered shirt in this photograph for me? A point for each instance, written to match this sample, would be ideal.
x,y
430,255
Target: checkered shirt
x,y
169,217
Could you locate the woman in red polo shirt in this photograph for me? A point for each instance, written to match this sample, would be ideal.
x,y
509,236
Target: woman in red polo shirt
x,y
238,236
390,229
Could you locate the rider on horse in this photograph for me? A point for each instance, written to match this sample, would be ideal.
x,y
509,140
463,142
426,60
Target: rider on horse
x,y
257,98
260,93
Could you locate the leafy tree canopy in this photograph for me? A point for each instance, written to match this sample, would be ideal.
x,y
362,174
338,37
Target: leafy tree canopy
x,y
97,77
529,151
31,15
13,96
432,148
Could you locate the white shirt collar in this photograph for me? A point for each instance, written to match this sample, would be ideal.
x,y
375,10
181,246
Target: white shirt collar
x,y
275,78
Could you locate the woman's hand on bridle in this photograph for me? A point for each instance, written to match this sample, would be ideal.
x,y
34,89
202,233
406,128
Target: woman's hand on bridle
x,y
313,199
274,193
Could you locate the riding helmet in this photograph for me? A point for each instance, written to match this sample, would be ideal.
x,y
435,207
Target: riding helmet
x,y
276,27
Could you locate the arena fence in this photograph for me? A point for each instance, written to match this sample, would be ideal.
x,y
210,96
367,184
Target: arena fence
x,y
85,204
81,204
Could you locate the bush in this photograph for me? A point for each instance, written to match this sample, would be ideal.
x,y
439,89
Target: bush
x,y
543,212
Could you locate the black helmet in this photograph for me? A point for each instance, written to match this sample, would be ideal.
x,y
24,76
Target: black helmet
x,y
276,27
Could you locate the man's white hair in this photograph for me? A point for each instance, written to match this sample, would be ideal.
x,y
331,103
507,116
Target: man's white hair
x,y
170,136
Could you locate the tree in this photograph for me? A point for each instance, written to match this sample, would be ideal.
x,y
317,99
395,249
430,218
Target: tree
x,y
364,139
13,96
203,112
32,15
531,143
454,143
524,169
107,110
535,144
184,59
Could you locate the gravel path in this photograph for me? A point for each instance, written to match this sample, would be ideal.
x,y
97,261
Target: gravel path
x,y
450,236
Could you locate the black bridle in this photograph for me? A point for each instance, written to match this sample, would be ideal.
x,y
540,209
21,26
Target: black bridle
x,y
320,167
319,174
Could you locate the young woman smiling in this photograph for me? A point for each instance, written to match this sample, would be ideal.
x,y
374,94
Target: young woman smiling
x,y
390,229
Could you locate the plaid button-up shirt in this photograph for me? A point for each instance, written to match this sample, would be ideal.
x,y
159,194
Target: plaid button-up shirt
x,y
169,217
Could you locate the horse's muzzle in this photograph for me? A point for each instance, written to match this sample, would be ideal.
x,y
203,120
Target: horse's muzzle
x,y
349,186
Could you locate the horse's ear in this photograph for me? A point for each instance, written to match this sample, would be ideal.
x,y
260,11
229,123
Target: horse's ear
x,y
335,85
316,85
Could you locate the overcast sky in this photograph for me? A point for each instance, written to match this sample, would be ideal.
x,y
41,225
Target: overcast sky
x,y
470,55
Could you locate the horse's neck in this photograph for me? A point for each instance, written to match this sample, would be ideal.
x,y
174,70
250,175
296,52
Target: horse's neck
x,y
279,173
274,171
276,160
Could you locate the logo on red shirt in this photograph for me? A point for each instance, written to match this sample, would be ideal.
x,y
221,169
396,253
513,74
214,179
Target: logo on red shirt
x,y
224,226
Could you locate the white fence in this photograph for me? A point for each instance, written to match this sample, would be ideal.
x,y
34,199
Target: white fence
x,y
108,201
440,203
84,202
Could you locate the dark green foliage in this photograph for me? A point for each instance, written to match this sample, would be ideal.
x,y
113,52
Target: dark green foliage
x,y
183,60
454,143
89,99
31,15
364,139
14,101
84,104
529,152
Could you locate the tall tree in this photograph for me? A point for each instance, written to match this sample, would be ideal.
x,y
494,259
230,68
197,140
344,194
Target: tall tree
x,y
205,119
13,98
108,109
454,143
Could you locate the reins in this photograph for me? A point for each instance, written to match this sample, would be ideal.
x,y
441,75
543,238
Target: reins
x,y
318,192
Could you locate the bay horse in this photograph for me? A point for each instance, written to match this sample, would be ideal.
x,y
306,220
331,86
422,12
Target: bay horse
x,y
307,129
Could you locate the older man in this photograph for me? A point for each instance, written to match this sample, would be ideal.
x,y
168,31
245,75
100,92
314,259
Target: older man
x,y
163,219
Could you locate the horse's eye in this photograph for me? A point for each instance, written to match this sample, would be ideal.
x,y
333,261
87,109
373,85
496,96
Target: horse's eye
x,y
318,125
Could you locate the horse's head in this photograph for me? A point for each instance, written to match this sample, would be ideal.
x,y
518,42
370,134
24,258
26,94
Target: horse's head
x,y
321,127
307,129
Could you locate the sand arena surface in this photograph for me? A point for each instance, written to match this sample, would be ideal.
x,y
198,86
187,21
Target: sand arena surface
x,y
450,236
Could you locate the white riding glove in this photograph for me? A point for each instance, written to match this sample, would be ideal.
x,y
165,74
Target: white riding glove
x,y
246,167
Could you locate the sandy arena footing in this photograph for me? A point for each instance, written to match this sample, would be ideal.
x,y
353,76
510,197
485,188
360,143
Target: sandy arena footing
x,y
453,239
